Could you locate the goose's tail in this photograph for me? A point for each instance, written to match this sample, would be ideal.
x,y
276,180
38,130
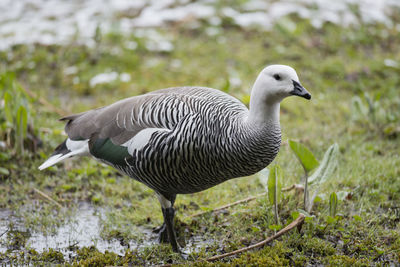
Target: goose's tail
x,y
66,149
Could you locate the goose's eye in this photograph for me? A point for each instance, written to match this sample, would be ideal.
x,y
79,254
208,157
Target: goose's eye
x,y
277,77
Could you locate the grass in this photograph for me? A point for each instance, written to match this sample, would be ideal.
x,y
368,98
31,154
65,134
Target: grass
x,y
335,64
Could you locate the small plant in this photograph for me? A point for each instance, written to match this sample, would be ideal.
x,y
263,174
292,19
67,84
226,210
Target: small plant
x,y
333,200
14,112
275,188
307,160
321,171
371,113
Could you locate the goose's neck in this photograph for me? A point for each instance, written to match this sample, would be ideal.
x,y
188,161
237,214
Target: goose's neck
x,y
263,112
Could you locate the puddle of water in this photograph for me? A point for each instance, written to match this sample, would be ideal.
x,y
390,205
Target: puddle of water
x,y
83,230
4,214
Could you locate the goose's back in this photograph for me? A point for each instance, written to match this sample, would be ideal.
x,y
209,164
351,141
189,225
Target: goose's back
x,y
177,140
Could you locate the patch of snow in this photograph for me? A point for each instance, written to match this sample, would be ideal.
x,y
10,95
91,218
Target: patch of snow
x,y
60,21
71,70
125,77
176,63
109,77
103,78
131,45
391,63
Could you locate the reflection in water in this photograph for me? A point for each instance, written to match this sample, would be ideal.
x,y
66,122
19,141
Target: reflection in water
x,y
83,230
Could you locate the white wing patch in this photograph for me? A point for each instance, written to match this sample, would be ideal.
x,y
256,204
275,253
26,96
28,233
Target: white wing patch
x,y
77,148
82,146
141,139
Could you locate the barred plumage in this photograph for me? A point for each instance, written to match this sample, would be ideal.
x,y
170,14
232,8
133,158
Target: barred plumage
x,y
184,139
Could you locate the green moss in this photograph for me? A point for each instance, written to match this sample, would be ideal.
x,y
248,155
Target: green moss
x,y
316,246
343,260
92,257
277,255
52,256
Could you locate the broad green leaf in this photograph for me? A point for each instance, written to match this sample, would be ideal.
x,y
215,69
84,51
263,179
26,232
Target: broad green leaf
x,y
295,215
4,171
305,213
263,177
304,155
333,204
246,99
327,165
275,227
342,195
275,184
330,220
22,125
359,108
22,121
226,86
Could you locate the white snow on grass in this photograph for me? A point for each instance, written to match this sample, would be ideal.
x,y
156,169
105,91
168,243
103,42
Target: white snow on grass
x,y
109,77
60,21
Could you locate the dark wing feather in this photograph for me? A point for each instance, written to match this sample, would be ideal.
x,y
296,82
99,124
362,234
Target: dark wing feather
x,y
158,109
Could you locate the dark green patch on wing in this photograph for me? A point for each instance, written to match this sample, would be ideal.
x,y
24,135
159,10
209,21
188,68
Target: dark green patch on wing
x,y
106,150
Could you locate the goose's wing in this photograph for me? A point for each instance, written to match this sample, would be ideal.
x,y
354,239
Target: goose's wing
x,y
115,130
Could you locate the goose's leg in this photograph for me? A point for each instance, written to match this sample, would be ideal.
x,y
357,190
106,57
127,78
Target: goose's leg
x,y
162,233
167,232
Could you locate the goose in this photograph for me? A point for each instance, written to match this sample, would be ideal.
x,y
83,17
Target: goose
x,y
183,140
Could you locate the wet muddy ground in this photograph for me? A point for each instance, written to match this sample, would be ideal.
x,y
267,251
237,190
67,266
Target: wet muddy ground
x,y
82,229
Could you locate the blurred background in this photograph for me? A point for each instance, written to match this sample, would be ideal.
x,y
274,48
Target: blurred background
x,y
60,57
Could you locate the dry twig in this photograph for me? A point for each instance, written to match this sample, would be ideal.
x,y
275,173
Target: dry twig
x,y
228,205
45,103
294,186
289,227
48,198
296,223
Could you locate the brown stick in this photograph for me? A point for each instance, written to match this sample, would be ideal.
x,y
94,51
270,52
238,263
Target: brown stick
x,y
228,205
289,227
294,186
48,198
299,221
45,103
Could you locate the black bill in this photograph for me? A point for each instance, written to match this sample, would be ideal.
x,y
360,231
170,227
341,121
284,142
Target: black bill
x,y
299,90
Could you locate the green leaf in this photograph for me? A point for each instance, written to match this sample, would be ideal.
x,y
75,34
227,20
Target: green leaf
x,y
295,215
4,156
359,108
226,86
246,99
275,227
22,121
305,213
333,204
263,177
308,219
304,155
4,171
8,107
330,220
342,195
275,184
22,125
327,166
